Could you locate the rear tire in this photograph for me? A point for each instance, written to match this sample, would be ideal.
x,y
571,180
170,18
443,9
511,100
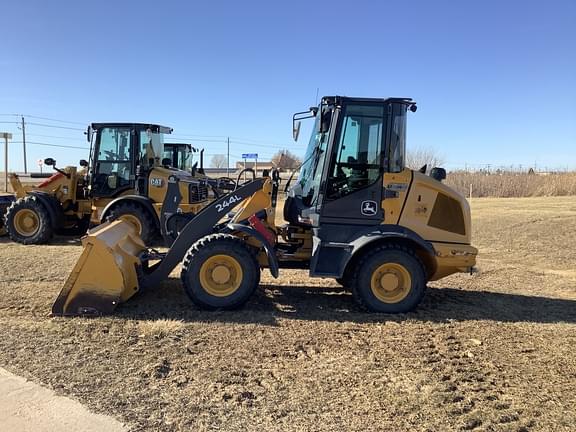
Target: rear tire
x,y
138,216
220,272
28,221
389,279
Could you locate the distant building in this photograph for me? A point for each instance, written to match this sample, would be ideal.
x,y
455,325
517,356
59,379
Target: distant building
x,y
260,165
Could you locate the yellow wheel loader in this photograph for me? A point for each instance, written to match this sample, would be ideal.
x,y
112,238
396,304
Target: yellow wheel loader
x,y
126,178
355,214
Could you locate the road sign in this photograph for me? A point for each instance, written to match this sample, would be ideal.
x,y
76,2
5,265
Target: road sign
x,y
249,155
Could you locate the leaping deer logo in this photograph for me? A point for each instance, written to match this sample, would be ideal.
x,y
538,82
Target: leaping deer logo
x,y
368,208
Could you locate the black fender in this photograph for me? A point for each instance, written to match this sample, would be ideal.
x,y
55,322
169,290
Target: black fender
x,y
394,234
144,201
272,258
52,205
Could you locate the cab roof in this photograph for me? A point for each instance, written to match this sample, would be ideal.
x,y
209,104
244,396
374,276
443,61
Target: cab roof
x,y
348,99
137,126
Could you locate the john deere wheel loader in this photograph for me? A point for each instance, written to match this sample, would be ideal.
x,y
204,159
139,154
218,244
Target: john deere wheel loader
x,y
127,180
355,214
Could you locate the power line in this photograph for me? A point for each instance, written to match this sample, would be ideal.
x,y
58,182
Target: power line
x,y
52,136
194,139
55,126
278,146
50,145
54,120
192,136
250,140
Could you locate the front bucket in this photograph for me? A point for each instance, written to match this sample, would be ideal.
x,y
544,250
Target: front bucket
x,y
105,273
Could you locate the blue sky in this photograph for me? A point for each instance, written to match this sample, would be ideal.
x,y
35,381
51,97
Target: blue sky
x,y
495,81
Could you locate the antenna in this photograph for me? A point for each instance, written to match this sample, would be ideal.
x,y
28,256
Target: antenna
x,y
316,102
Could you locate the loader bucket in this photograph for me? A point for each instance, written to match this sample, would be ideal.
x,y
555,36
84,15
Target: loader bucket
x,y
105,274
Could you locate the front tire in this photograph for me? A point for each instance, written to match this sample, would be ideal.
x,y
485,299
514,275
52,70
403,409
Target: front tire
x,y
389,279
28,221
220,272
137,216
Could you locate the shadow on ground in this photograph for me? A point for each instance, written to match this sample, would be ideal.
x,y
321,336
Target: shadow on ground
x,y
273,302
58,240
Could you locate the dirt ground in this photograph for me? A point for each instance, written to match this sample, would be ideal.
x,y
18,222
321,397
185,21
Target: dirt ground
x,y
494,351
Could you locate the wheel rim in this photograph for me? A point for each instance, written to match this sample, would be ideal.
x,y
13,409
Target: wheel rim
x,y
221,275
391,283
132,220
26,222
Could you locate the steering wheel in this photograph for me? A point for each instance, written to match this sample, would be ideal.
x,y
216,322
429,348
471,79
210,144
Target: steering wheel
x,y
110,155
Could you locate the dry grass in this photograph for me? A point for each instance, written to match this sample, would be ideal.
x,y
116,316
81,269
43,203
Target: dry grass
x,y
160,328
492,352
511,184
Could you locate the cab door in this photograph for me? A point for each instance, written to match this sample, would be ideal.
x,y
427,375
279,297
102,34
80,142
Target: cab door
x,y
353,187
114,161
351,199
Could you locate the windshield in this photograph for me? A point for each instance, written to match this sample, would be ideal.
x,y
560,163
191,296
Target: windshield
x,y
311,170
151,146
180,156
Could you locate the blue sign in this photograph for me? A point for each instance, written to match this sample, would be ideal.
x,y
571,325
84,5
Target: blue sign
x,y
249,155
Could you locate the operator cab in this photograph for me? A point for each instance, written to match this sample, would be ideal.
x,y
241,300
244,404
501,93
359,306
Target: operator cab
x,y
181,156
354,141
121,153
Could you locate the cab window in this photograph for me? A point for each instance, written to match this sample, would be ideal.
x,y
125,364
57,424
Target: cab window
x,y
356,160
114,167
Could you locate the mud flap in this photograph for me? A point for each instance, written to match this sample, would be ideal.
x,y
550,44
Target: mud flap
x,y
105,274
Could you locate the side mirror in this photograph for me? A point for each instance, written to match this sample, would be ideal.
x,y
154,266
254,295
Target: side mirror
x,y
89,133
296,129
438,174
83,163
49,162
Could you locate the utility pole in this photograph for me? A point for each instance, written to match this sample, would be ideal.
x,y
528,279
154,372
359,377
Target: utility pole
x,y
6,137
228,160
24,144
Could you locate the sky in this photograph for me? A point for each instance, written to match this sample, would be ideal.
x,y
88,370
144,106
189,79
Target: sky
x,y
495,81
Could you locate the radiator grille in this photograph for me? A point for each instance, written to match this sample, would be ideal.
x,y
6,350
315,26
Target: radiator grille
x,y
447,215
197,192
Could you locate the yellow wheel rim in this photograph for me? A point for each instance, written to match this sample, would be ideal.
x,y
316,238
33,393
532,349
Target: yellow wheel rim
x,y
132,220
221,275
391,283
26,222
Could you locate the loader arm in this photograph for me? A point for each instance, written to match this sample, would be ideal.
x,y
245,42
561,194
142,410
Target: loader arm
x,y
202,224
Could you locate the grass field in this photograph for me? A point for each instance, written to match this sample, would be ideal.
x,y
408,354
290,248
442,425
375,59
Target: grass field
x,y
492,352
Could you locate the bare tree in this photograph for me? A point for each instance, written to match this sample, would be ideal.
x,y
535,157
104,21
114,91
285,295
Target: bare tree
x,y
284,159
420,156
218,161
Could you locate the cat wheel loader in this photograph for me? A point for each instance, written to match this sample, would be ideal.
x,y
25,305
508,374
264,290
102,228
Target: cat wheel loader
x,y
125,179
355,214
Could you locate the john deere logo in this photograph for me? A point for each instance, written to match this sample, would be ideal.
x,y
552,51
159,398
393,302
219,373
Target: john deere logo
x,y
156,182
369,208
